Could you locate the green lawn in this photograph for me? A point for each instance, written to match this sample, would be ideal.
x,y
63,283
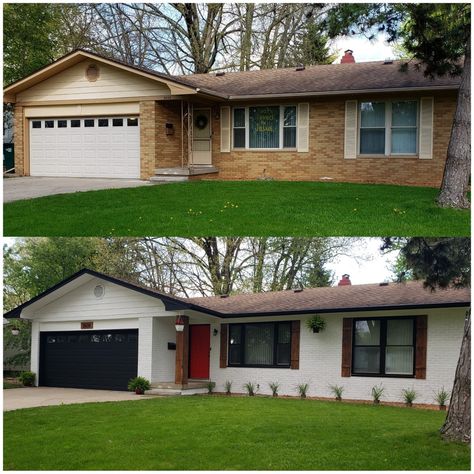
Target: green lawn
x,y
239,208
212,432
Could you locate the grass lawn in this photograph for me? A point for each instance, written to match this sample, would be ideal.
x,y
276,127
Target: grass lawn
x,y
239,208
206,432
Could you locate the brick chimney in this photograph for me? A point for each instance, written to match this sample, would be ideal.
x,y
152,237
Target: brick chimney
x,y
345,280
347,58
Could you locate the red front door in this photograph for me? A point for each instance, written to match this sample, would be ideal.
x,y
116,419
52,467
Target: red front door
x,y
199,350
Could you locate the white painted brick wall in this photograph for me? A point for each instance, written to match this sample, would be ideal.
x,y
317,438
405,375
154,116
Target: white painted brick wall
x,y
145,348
163,358
320,362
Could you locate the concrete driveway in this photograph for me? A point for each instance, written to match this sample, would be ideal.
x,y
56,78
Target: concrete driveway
x,y
29,187
28,397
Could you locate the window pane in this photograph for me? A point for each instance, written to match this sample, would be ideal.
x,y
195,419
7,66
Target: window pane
x,y
103,122
366,360
399,332
89,123
259,344
36,124
117,122
132,122
399,360
235,333
289,117
239,137
367,333
49,124
283,354
239,117
62,123
75,123
264,123
372,141
234,355
404,114
403,140
289,137
284,333
372,114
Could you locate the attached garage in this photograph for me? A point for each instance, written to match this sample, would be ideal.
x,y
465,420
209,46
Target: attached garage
x,y
93,147
88,359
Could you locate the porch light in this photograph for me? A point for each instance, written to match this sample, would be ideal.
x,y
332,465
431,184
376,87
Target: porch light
x,y
179,324
215,332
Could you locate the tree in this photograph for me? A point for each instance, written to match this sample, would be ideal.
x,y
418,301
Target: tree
x,y
439,35
441,263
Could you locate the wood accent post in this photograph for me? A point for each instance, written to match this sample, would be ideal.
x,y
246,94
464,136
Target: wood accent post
x,y
295,345
346,365
223,353
420,346
182,354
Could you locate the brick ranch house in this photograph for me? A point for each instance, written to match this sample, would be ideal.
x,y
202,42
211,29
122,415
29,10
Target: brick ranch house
x,y
96,331
90,116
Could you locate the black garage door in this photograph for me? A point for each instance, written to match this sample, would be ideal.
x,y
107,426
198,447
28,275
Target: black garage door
x,y
92,359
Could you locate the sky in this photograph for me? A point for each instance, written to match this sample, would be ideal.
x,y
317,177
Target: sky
x,y
363,49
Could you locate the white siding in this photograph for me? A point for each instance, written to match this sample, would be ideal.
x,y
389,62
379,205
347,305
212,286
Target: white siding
x,y
163,358
320,362
112,83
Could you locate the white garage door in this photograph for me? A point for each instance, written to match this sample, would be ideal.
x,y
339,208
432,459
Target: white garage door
x,y
104,147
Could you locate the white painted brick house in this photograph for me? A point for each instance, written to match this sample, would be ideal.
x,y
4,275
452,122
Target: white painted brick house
x,y
95,331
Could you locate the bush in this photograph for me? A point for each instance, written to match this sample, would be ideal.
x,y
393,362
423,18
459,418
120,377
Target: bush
x,y
409,395
274,386
337,391
228,387
28,379
302,389
210,387
251,388
139,385
442,396
377,392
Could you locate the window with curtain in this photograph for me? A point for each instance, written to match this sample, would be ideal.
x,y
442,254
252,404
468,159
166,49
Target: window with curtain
x,y
383,346
260,344
264,127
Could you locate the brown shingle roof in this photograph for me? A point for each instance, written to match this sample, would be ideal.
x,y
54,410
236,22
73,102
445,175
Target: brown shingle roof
x,y
331,299
319,79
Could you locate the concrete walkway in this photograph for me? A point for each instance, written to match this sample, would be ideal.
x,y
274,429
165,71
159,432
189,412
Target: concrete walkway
x,y
29,187
28,397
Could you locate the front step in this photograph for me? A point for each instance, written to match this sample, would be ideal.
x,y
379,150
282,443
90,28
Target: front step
x,y
172,389
168,179
181,174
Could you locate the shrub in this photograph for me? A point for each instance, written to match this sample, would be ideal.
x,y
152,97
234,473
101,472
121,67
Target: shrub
x,y
251,388
210,387
441,397
377,392
228,387
139,385
337,391
274,386
302,389
28,379
409,395
316,323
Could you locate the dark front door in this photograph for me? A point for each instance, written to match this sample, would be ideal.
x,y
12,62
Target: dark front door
x,y
199,350
88,359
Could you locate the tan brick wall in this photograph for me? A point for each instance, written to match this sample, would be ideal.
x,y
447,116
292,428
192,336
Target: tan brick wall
x,y
168,153
148,143
326,159
18,140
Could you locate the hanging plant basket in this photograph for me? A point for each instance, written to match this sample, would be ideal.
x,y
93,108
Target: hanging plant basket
x,y
316,324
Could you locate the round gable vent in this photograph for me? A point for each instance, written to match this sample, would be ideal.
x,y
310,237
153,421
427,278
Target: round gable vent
x,y
99,291
92,73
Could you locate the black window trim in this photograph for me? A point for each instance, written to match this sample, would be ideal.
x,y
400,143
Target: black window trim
x,y
242,346
383,345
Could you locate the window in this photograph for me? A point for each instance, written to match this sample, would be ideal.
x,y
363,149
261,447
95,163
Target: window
x,y
36,123
75,123
264,127
260,344
388,128
49,124
383,347
132,122
103,122
89,123
117,122
62,123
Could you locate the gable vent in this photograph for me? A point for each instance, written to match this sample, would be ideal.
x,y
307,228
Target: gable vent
x,y
99,291
92,73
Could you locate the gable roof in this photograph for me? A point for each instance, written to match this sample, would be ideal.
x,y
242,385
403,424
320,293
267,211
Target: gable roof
x,y
349,298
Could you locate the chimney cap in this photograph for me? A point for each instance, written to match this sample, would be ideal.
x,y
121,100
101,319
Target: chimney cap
x,y
349,51
348,57
345,280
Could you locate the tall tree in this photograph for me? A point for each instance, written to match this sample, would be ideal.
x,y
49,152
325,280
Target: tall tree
x,y
439,35
441,263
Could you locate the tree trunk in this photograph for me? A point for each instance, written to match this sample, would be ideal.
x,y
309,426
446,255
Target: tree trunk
x,y
457,426
455,183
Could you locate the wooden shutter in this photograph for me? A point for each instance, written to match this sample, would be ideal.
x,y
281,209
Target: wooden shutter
x,y
223,354
303,127
346,365
426,128
421,344
350,130
225,129
295,345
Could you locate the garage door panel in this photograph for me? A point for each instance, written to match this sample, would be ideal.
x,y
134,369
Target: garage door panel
x,y
98,359
84,151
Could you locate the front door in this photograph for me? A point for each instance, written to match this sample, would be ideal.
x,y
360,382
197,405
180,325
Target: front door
x,y
202,149
199,350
